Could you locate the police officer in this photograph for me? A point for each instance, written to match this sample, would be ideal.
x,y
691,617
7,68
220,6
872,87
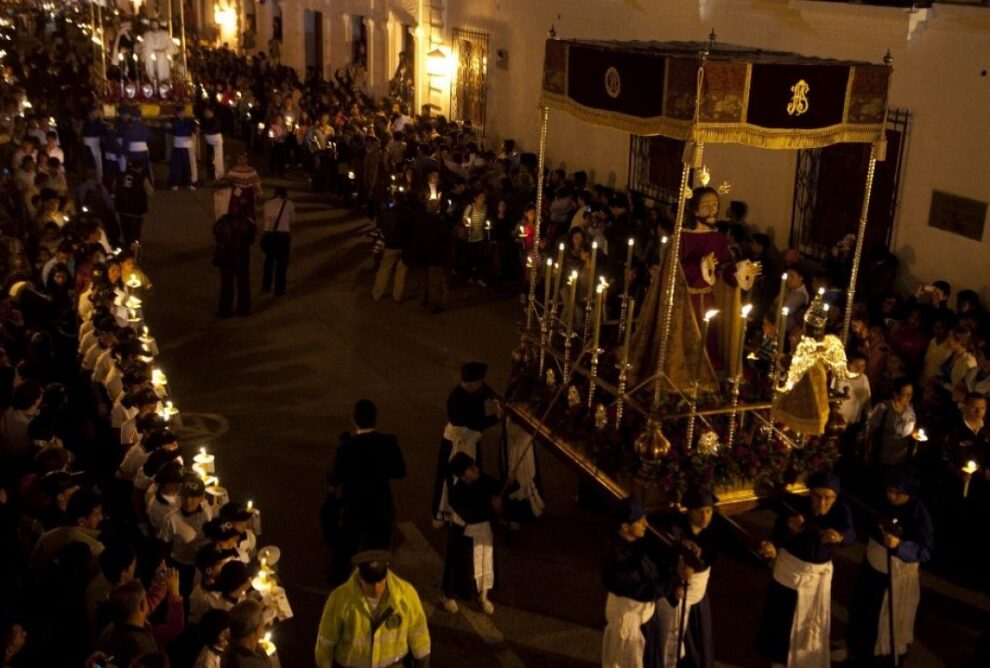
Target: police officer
x,y
373,619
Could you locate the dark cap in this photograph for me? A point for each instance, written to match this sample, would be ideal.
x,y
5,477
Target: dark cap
x,y
232,576
460,463
699,497
629,510
824,480
145,396
235,512
209,556
192,486
169,473
473,371
158,459
219,529
372,565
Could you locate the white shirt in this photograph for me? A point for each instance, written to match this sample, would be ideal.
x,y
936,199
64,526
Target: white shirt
x,y
185,533
158,511
859,397
272,207
133,460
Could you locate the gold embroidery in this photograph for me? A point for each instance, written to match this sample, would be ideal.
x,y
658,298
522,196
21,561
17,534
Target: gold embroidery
x,y
799,101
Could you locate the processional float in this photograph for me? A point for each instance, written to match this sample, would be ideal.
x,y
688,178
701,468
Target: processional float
x,y
141,56
655,431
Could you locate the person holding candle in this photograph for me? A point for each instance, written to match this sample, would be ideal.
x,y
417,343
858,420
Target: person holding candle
x,y
183,529
890,428
247,631
431,240
901,539
473,248
240,517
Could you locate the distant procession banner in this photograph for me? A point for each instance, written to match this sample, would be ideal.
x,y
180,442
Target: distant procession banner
x,y
751,97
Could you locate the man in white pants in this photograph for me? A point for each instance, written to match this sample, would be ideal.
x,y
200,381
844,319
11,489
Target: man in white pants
x,y
210,128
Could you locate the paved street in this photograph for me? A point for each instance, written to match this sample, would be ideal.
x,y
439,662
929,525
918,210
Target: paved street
x,y
269,394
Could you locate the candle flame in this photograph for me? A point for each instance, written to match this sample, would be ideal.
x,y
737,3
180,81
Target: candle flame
x,y
785,311
594,245
970,467
710,313
561,247
746,309
632,241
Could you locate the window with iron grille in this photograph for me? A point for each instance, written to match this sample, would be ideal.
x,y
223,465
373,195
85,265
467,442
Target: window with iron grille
x,y
828,193
655,167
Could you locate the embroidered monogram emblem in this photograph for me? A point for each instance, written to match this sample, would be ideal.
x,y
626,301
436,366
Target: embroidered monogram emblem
x,y
613,83
394,621
799,101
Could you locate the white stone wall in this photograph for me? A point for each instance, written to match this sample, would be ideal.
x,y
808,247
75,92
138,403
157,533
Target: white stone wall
x,y
941,57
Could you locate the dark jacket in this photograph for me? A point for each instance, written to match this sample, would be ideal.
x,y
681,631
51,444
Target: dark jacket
x,y
125,642
130,194
362,469
234,235
238,656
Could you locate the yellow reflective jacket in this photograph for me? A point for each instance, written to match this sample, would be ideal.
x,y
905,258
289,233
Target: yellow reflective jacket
x,y
355,637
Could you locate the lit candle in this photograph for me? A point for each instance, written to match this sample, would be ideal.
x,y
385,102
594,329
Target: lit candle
x,y
782,329
250,506
600,291
205,461
546,285
488,230
572,284
742,335
968,472
267,644
706,323
628,332
591,273
560,269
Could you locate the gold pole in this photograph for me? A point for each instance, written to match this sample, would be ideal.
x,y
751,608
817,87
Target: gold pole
x,y
170,28
103,44
534,269
182,39
877,152
858,255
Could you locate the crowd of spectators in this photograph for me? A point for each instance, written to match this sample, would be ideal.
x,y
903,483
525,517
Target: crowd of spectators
x,y
114,551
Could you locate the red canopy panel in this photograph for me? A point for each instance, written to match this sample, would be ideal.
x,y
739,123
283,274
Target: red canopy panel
x,y
748,96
